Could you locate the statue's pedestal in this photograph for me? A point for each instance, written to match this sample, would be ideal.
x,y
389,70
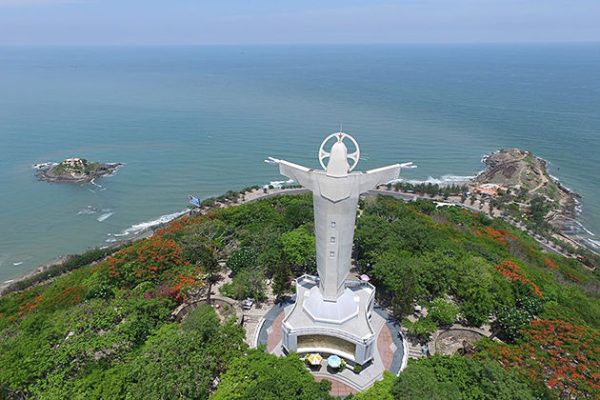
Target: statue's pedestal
x,y
339,327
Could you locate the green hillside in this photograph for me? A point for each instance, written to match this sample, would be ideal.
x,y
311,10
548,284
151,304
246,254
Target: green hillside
x,y
104,331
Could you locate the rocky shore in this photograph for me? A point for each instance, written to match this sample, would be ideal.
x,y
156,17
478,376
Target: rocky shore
x,y
74,170
524,184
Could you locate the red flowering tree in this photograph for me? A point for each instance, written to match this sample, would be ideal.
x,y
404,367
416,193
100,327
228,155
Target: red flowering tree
x,y
511,271
563,356
152,259
501,236
550,263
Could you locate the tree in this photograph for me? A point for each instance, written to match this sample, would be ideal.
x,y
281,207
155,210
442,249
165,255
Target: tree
x,y
381,390
510,321
281,280
246,284
443,312
267,377
538,208
449,378
200,253
298,213
473,287
177,362
436,272
399,279
421,329
299,248
242,259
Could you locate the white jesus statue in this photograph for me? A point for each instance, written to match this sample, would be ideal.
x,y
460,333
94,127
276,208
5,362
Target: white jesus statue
x,y
336,190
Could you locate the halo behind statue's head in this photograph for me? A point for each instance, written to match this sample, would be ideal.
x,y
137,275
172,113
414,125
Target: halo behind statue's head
x,y
338,156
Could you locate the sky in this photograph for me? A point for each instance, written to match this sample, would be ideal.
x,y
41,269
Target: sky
x,y
188,22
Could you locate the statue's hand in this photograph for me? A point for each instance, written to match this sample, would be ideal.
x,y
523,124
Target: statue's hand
x,y
271,160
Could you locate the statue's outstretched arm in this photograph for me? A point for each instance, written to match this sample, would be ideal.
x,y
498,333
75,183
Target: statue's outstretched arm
x,y
300,174
372,178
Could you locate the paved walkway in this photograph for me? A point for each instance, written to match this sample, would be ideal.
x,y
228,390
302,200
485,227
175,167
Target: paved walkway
x,y
337,388
274,333
386,347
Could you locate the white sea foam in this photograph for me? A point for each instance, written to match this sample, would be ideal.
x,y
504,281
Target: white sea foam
x,y
586,230
93,182
444,180
89,210
485,157
44,165
279,184
104,216
114,172
17,263
594,243
137,228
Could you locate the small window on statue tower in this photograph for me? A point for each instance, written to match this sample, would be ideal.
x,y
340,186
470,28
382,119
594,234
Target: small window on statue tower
x,y
332,239
333,224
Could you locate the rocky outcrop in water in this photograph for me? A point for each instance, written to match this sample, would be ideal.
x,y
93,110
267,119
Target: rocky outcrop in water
x,y
74,170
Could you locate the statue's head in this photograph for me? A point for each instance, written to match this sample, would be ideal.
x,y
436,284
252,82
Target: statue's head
x,y
338,165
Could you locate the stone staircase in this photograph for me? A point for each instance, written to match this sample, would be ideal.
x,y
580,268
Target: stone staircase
x,y
414,351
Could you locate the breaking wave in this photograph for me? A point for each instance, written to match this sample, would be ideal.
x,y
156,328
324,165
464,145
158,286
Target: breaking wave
x,y
138,228
119,166
44,165
444,180
104,216
279,184
89,210
593,243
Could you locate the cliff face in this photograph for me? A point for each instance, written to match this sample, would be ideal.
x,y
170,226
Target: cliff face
x,y
527,178
76,171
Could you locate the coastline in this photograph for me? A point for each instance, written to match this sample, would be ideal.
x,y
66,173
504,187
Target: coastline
x,y
225,201
146,229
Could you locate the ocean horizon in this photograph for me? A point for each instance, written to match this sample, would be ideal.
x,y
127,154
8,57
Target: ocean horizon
x,y
201,119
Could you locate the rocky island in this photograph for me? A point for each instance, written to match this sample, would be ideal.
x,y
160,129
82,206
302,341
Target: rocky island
x,y
74,170
522,185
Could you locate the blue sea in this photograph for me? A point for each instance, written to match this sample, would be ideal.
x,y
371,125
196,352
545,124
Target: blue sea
x,y
201,120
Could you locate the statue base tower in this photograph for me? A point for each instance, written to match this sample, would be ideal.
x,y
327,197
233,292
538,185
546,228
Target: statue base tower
x,y
339,327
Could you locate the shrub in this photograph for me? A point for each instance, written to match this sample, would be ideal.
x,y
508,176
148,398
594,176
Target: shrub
x,y
242,259
443,377
421,328
443,312
246,284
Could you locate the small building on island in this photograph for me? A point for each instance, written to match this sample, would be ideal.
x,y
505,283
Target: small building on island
x,y
74,162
